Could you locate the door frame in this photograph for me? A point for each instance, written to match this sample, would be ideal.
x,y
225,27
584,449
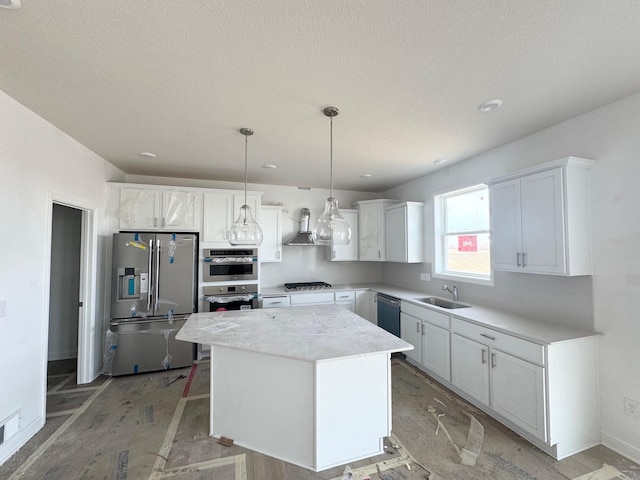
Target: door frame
x,y
88,333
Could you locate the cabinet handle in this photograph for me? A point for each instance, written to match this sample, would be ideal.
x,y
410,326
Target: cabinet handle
x,y
417,327
487,336
278,255
276,303
524,259
484,356
423,329
493,360
517,259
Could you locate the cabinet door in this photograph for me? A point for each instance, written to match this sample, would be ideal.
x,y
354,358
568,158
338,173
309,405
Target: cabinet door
x,y
518,393
252,200
271,225
139,209
349,252
362,304
506,230
436,350
181,210
411,332
371,232
543,236
469,367
396,234
218,217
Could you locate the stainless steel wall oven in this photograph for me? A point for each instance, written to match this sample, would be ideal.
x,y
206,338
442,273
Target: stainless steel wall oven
x,y
231,297
223,265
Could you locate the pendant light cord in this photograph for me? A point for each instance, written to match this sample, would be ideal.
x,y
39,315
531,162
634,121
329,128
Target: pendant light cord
x,y
331,154
246,142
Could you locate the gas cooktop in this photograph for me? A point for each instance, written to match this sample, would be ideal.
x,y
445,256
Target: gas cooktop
x,y
306,286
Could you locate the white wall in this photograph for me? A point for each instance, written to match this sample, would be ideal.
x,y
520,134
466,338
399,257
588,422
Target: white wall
x,y
37,161
609,301
299,263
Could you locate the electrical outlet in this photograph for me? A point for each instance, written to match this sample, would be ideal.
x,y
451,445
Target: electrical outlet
x,y
3,308
632,408
425,277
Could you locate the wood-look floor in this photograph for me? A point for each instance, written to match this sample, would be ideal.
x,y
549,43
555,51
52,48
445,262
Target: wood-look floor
x,y
154,426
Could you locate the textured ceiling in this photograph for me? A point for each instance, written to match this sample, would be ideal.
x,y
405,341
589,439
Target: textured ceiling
x,y
180,78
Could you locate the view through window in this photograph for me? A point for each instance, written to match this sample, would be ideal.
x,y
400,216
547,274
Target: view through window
x,y
462,233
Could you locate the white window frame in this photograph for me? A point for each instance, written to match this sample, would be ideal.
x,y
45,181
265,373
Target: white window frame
x,y
439,239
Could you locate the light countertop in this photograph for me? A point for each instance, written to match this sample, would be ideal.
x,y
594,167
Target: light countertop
x,y
527,328
308,333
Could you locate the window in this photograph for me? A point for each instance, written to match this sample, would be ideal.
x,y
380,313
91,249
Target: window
x,y
462,234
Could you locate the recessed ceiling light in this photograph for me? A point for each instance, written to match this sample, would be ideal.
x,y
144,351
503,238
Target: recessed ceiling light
x,y
10,3
147,154
366,175
490,105
269,166
440,161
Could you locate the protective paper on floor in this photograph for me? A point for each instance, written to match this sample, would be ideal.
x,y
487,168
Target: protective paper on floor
x,y
607,472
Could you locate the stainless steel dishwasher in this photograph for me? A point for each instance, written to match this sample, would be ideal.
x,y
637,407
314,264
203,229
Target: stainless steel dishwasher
x,y
389,313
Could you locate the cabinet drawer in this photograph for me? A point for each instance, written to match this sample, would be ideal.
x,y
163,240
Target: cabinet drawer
x,y
273,302
515,346
311,298
436,318
345,296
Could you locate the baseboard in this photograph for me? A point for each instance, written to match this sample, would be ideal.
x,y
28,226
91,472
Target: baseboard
x,y
17,441
623,448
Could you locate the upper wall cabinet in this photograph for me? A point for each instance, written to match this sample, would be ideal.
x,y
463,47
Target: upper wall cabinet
x,y
349,252
540,219
159,209
271,225
371,229
220,211
404,232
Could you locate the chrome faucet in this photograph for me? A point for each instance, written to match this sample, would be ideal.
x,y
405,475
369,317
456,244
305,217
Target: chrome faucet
x,y
453,292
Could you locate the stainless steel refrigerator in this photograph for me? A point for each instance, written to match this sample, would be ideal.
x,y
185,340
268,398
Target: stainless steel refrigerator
x,y
153,292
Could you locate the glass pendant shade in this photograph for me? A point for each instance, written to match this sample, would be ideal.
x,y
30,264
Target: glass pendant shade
x,y
331,227
245,230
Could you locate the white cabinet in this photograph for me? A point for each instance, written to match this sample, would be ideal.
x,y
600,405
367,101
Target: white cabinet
x,y
540,219
276,301
371,230
503,372
159,209
428,331
271,225
320,298
367,305
349,252
404,232
411,332
221,208
346,298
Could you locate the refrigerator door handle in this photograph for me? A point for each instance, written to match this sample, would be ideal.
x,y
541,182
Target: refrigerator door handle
x,y
150,270
156,283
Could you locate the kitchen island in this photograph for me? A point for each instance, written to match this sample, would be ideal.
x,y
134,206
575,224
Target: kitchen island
x,y
307,385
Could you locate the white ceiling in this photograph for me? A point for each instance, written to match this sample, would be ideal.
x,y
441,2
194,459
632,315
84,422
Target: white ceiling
x,y
180,78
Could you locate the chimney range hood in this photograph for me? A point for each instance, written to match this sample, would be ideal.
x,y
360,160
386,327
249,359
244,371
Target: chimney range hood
x,y
304,235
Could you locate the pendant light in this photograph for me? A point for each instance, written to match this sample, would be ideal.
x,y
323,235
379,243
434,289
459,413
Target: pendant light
x,y
245,230
331,227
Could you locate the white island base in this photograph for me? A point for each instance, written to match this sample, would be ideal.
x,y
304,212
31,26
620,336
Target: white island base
x,y
312,405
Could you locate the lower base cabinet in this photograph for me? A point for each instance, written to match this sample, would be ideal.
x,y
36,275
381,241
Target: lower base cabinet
x,y
512,387
546,392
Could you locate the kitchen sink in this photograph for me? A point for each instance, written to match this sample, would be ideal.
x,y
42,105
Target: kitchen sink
x,y
441,302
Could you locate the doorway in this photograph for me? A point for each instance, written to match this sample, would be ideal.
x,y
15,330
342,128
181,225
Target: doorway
x,y
64,289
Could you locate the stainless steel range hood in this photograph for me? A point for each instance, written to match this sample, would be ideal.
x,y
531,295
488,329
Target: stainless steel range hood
x,y
304,235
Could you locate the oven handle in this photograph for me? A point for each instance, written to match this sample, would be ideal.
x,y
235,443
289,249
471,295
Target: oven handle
x,y
229,298
230,259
